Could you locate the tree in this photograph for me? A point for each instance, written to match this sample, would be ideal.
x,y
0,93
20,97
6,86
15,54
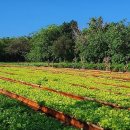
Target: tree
x,y
91,42
18,48
42,42
63,48
118,39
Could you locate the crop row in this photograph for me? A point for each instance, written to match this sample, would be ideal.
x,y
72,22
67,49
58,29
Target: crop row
x,y
91,88
113,85
84,86
60,85
65,72
70,95
94,73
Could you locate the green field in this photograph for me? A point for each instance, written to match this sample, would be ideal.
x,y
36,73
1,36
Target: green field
x,y
98,89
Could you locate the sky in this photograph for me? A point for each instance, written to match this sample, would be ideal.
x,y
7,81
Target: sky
x,y
22,17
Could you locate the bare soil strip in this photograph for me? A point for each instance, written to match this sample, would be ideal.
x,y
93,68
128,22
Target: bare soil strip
x,y
112,77
121,86
100,89
8,73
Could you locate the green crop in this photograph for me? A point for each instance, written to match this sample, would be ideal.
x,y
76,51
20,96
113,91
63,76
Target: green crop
x,y
88,111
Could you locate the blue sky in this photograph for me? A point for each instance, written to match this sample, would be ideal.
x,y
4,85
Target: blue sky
x,y
21,17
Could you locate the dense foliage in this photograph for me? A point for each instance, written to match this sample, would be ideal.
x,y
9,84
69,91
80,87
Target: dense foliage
x,y
14,49
98,43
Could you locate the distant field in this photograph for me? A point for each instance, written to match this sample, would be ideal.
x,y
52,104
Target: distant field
x,y
77,65
92,96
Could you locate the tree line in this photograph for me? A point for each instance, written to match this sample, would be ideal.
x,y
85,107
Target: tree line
x,y
97,43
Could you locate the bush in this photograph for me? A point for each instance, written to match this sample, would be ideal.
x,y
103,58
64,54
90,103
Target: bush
x,y
78,65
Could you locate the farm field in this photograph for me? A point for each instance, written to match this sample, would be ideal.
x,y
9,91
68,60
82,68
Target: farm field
x,y
92,96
